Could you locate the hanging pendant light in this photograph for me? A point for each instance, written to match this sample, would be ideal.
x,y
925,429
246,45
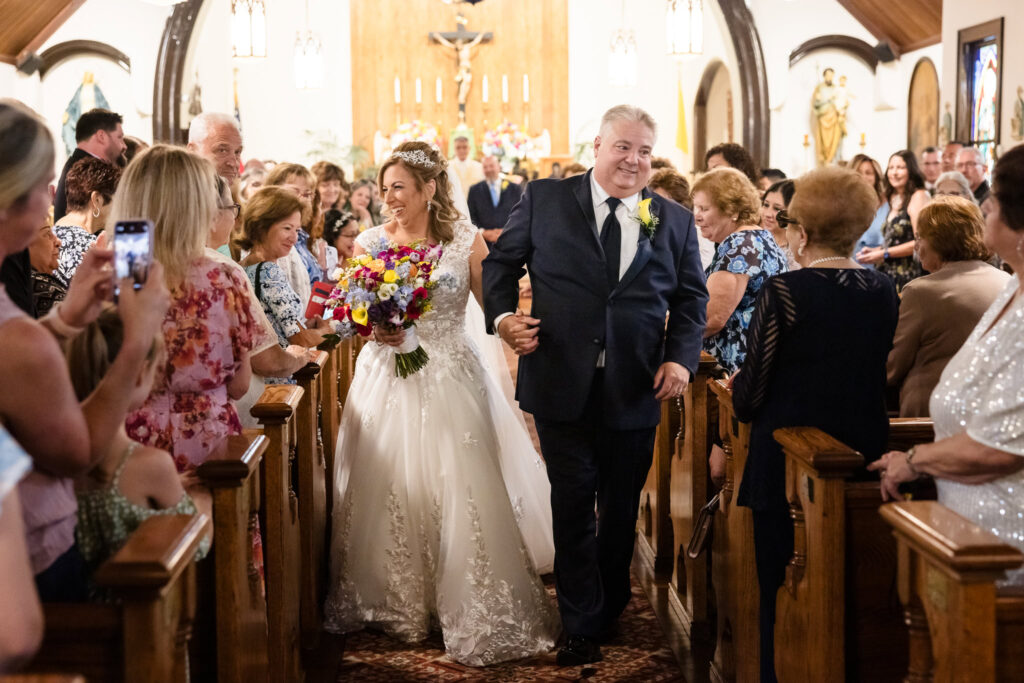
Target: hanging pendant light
x,y
622,61
248,28
309,61
684,25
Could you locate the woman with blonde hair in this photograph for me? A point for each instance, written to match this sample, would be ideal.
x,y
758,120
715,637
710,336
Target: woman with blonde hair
x,y
726,210
210,327
939,311
421,463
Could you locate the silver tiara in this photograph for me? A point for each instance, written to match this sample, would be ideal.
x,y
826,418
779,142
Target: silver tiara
x,y
416,157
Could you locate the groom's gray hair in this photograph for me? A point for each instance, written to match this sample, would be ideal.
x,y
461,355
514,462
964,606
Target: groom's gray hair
x,y
626,112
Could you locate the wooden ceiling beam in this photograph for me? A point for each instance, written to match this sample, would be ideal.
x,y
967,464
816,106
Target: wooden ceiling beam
x,y
55,22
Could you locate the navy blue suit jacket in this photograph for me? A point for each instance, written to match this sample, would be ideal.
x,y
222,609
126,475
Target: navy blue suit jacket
x,y
553,232
483,212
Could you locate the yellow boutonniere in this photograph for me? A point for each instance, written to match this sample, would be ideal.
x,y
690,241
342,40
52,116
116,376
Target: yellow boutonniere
x,y
646,217
504,185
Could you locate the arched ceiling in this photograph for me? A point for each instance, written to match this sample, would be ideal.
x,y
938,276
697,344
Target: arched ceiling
x,y
905,24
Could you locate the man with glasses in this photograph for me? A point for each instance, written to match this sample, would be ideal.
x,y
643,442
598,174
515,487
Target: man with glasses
x,y
216,138
970,162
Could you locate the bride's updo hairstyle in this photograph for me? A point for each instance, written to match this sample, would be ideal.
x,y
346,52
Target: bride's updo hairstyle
x,y
425,163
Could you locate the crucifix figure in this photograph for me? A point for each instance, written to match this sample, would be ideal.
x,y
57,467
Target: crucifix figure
x,y
463,42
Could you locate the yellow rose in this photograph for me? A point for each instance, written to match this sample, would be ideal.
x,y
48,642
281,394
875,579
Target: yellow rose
x,y
377,265
360,316
643,210
362,259
390,276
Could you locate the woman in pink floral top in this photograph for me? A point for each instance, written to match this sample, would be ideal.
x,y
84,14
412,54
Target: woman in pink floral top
x,y
210,327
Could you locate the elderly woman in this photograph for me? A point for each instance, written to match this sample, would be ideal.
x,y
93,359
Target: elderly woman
x,y
775,200
90,185
905,193
210,328
725,208
939,311
667,183
271,225
817,346
977,458
954,183
44,255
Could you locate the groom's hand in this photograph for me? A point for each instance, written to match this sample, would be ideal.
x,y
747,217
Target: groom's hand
x,y
671,380
520,332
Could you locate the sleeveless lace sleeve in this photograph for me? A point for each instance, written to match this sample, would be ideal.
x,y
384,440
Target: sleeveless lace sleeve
x,y
461,243
368,236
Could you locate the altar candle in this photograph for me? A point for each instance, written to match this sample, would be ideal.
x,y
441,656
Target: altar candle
x,y
526,88
419,91
863,140
504,88
437,90
398,91
487,90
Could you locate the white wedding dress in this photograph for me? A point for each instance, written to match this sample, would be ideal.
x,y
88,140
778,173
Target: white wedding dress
x,y
442,509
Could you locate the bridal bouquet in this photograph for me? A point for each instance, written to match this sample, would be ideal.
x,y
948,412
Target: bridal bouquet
x,y
390,285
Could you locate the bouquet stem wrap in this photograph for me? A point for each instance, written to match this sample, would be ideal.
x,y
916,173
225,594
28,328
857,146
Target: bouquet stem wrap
x,y
410,356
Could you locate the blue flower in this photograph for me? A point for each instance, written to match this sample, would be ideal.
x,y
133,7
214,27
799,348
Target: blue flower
x,y
738,265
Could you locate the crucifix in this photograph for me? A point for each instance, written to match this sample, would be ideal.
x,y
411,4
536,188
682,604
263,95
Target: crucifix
x,y
463,42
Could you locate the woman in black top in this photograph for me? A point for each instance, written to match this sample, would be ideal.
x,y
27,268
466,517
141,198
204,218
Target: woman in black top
x,y
817,348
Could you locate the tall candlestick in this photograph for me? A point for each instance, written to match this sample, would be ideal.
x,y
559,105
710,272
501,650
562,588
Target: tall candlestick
x,y
504,88
526,88
419,91
398,91
486,89
437,90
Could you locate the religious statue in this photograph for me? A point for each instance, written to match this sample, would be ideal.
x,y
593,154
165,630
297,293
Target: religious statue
x,y
87,96
828,122
463,42
946,129
1017,122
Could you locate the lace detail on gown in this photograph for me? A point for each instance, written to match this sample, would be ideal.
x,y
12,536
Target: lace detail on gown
x,y
425,531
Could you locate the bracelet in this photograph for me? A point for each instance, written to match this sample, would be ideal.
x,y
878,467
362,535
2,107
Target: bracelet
x,y
910,465
57,325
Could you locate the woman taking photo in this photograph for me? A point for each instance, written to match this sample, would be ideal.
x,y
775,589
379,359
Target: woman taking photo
x,y
725,209
905,193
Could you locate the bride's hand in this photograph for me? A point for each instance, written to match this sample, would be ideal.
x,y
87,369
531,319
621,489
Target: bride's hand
x,y
388,336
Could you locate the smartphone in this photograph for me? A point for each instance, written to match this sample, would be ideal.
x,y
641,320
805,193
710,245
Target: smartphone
x,y
133,252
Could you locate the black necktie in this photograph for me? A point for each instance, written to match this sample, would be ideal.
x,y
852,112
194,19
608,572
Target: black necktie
x,y
611,242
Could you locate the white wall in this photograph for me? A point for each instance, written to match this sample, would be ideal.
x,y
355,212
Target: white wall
x,y
961,15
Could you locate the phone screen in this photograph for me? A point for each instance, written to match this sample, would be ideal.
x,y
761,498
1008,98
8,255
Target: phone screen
x,y
133,251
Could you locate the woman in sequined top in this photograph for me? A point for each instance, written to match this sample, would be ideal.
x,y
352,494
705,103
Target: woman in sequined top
x,y
977,458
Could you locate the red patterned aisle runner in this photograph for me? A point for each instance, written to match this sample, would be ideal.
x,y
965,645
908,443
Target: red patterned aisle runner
x,y
639,653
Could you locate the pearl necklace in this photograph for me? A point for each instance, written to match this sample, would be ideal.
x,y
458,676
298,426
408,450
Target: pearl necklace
x,y
825,260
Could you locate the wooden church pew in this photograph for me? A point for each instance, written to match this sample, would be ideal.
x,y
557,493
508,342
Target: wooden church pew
x,y
654,521
144,635
279,518
837,616
962,627
689,488
733,572
312,494
231,628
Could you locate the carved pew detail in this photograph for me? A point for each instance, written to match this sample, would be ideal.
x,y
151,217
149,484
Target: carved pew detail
x,y
733,572
962,629
312,495
654,520
145,636
281,536
233,596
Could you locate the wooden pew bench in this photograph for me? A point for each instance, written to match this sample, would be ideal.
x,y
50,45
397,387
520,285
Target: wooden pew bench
x,y
963,628
144,635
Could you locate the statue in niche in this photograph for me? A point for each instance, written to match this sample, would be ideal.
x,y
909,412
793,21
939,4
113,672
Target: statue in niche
x,y
946,129
827,123
87,96
1017,122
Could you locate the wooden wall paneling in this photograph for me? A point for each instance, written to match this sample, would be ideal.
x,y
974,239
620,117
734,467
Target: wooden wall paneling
x,y
530,37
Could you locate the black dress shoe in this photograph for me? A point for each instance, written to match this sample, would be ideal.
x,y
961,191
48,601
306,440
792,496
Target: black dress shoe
x,y
579,650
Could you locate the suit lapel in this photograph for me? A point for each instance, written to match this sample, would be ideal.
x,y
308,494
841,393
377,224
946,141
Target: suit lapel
x,y
644,252
585,198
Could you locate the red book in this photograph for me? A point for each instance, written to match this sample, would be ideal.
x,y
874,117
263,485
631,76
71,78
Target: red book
x,y
318,298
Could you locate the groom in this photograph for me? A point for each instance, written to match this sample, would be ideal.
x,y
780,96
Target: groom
x,y
596,354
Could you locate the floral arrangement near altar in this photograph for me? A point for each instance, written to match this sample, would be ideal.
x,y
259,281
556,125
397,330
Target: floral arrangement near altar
x,y
389,285
508,141
415,130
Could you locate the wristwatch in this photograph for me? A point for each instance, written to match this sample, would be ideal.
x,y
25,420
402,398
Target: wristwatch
x,y
885,255
910,462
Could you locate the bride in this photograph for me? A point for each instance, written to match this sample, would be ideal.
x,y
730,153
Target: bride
x,y
442,513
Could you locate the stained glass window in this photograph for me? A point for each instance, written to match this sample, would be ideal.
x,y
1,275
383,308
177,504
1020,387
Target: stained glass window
x,y
985,99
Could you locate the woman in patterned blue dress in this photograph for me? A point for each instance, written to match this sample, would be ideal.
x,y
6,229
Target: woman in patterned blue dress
x,y
726,208
270,228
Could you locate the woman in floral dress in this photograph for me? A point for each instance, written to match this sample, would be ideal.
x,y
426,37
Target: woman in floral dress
x,y
209,329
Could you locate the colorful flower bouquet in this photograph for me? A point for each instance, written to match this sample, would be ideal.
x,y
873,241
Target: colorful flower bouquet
x,y
390,285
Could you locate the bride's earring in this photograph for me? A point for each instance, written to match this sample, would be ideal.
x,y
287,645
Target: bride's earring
x,y
1020,246
428,206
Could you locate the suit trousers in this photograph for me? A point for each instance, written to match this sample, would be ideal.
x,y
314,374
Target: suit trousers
x,y
593,466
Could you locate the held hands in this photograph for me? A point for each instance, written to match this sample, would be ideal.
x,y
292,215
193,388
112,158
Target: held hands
x,y
873,255
895,469
670,380
520,332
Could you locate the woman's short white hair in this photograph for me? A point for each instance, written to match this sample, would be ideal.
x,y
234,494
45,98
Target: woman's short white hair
x,y
626,112
961,180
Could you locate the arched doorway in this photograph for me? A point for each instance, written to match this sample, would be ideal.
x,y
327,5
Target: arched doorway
x,y
923,107
712,112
